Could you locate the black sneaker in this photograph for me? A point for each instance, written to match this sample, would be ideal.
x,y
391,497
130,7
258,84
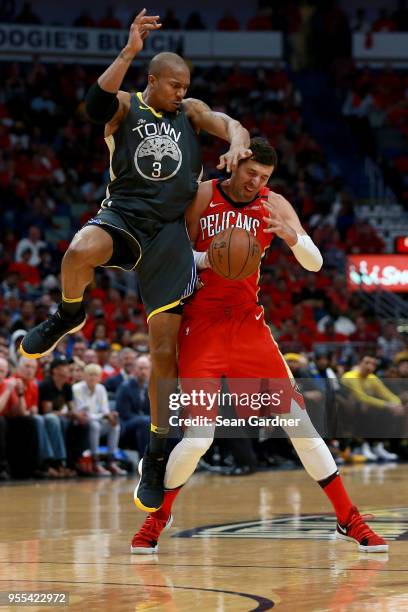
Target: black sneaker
x,y
149,493
43,338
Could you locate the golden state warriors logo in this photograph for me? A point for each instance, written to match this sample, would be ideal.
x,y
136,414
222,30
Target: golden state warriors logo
x,y
158,158
390,523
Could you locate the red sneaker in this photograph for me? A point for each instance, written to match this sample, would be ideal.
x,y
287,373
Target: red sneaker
x,y
356,530
145,540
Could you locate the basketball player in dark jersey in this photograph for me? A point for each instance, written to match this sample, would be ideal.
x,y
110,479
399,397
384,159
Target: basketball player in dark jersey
x,y
223,333
155,167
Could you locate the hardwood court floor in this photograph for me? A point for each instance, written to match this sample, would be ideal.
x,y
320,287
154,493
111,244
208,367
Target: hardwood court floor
x,y
74,536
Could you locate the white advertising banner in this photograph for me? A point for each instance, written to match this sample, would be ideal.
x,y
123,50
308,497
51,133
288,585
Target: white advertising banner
x,y
386,47
89,44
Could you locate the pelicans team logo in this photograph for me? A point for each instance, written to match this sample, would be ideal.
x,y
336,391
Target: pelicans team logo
x,y
390,523
158,156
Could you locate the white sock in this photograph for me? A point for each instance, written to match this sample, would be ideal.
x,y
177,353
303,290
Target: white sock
x,y
312,450
185,456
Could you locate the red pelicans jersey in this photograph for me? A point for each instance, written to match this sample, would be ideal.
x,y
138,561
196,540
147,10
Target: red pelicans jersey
x,y
220,214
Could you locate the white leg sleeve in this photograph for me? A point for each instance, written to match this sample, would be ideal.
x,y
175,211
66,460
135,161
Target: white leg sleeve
x,y
312,450
185,456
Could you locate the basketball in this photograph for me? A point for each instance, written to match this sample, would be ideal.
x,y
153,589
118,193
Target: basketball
x,y
234,254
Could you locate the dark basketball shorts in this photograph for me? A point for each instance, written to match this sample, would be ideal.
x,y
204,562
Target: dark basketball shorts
x,y
160,253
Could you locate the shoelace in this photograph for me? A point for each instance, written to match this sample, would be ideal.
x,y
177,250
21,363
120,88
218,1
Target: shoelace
x,y
151,528
51,323
360,529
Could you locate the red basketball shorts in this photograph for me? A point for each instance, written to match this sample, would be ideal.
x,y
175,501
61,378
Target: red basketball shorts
x,y
235,343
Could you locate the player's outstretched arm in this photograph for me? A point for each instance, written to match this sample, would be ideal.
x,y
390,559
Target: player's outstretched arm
x,y
223,126
283,221
104,103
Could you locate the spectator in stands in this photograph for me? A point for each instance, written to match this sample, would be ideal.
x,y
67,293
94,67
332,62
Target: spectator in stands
x,y
103,350
55,397
132,404
51,445
21,441
99,333
26,317
170,21
109,20
360,23
76,370
262,20
127,363
329,335
91,399
194,22
363,333
28,273
228,22
300,369
90,356
362,238
140,343
378,406
400,385
32,242
79,348
27,16
55,392
384,23
390,342
84,20
291,339
403,354
47,268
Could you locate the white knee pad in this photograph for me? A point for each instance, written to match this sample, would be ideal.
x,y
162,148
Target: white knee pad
x,y
312,450
185,456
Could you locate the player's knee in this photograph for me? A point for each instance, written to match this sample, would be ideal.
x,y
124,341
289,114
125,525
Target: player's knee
x,y
77,255
163,353
86,252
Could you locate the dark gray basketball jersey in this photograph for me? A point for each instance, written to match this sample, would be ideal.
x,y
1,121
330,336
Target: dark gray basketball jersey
x,y
155,163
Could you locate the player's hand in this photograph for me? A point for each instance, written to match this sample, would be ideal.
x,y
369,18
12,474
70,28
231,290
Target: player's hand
x,y
230,159
277,225
140,29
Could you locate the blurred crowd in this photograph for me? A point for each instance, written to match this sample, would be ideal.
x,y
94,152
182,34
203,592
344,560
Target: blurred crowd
x,y
85,411
375,103
285,16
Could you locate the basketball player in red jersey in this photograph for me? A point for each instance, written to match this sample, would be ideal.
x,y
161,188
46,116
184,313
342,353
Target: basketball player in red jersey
x,y
223,333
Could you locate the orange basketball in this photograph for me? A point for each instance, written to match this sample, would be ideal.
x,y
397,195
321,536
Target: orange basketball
x,y
234,253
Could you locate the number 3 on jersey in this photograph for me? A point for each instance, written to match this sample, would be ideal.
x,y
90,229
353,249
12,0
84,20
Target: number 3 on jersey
x,y
156,169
